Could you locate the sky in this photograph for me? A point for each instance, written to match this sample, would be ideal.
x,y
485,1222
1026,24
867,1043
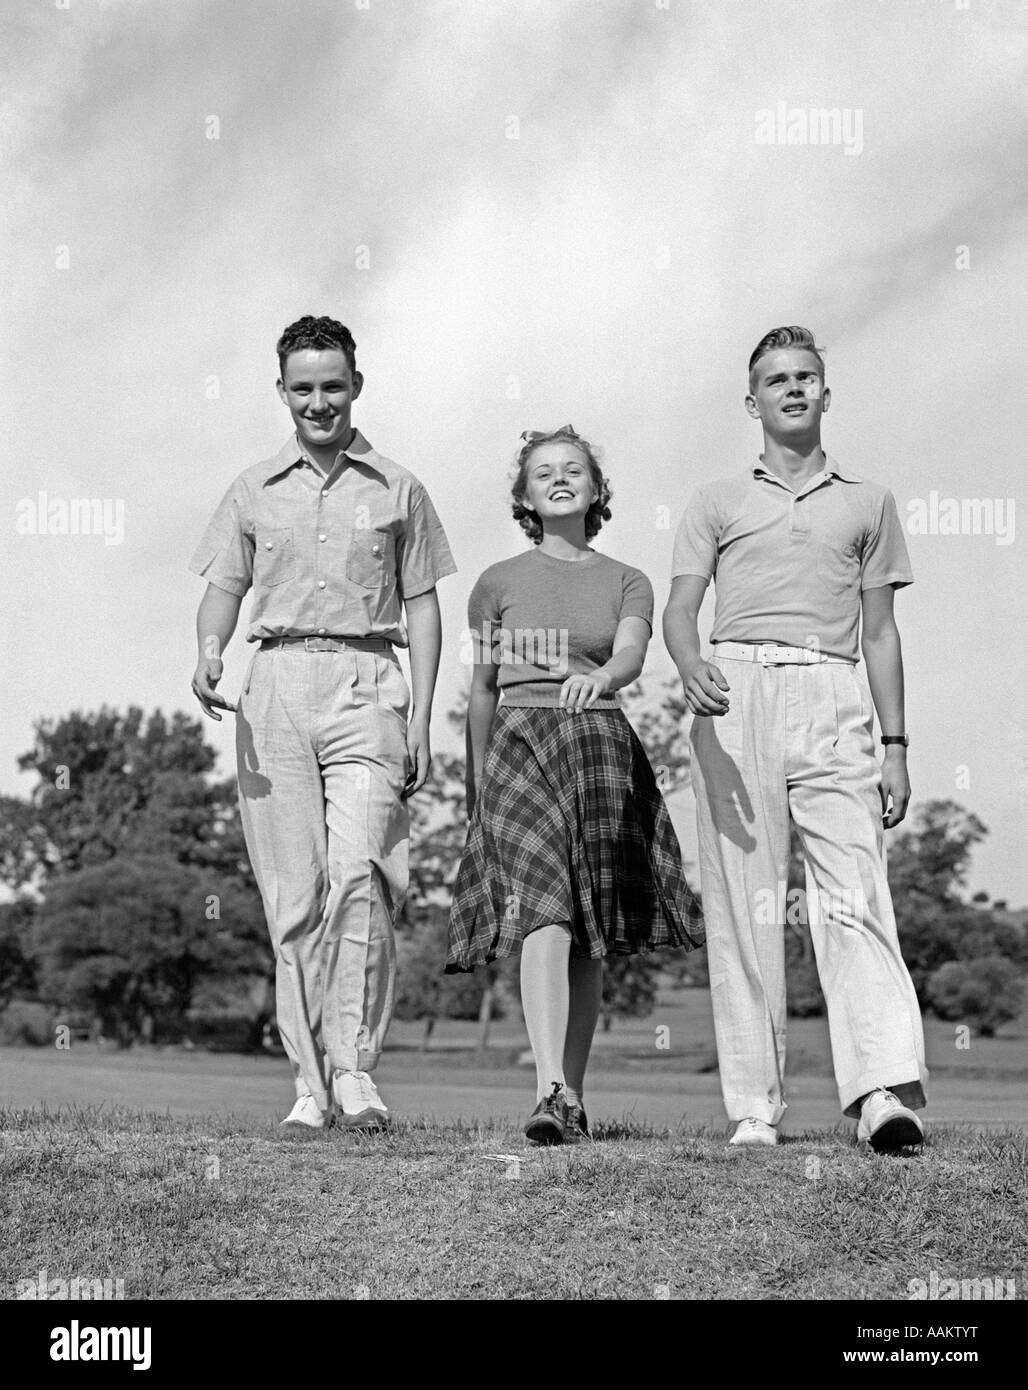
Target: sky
x,y
528,214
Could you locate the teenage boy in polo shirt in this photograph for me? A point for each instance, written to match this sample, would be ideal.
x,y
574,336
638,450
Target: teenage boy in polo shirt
x,y
801,550
333,538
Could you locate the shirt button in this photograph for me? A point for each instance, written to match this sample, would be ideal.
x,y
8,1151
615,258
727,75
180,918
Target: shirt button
x,y
321,632
325,493
267,545
322,538
376,550
321,583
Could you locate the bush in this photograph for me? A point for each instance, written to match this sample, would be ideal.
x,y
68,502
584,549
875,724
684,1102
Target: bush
x,y
982,993
25,1023
423,990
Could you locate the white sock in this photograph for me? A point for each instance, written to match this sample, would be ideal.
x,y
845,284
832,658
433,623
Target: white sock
x,y
585,989
545,1000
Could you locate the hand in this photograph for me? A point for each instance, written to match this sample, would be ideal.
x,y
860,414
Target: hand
x,y
419,756
706,690
579,692
895,785
206,676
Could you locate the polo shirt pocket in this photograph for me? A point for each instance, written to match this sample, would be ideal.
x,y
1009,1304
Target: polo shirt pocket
x,y
370,559
274,559
838,568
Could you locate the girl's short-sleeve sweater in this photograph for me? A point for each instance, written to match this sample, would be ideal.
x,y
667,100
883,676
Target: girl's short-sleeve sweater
x,y
543,619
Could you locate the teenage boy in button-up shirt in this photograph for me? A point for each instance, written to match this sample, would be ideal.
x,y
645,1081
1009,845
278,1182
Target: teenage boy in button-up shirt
x,y
803,554
338,544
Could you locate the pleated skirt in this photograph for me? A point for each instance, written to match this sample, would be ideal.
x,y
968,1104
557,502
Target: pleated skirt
x,y
569,826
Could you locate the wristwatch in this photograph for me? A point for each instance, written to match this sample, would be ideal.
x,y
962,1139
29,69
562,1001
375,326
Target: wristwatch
x,y
904,739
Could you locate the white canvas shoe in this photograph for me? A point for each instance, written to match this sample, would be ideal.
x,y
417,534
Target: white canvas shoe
x,y
360,1105
752,1132
887,1125
307,1114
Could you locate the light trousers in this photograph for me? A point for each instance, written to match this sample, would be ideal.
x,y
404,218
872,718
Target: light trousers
x,y
797,741
322,755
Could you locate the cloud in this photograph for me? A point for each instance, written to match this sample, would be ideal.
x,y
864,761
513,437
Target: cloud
x,y
566,214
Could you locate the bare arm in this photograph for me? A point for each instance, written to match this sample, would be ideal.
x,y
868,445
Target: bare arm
x,y
215,623
628,654
425,630
883,655
706,690
482,702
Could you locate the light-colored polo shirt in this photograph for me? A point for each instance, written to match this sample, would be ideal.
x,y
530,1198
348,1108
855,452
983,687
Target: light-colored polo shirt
x,y
541,619
789,567
331,555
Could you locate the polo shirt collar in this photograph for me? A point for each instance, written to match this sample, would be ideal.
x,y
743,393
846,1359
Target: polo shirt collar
x,y
293,452
831,469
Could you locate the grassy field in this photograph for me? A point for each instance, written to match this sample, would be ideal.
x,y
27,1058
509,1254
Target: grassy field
x,y
213,1208
165,1169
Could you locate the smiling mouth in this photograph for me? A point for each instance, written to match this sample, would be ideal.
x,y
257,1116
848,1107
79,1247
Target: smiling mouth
x,y
562,496
798,409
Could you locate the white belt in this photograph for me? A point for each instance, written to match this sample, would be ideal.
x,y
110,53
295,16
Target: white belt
x,y
771,654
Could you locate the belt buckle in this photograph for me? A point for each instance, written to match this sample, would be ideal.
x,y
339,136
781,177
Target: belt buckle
x,y
762,655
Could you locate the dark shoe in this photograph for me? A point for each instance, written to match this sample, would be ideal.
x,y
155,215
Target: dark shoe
x,y
549,1120
578,1125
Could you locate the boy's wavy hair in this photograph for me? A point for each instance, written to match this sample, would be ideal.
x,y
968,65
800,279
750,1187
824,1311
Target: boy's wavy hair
x,y
527,519
320,333
794,336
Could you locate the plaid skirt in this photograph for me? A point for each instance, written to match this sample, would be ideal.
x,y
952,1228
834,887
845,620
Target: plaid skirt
x,y
569,826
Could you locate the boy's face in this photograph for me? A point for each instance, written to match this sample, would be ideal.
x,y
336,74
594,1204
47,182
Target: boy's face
x,y
319,389
788,395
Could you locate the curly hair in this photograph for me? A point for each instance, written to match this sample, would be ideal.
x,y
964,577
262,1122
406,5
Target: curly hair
x,y
527,519
784,337
320,334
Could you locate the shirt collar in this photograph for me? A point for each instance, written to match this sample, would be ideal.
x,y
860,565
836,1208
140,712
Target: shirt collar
x,y
831,468
293,452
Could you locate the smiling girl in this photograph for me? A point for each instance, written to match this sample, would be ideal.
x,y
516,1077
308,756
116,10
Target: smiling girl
x,y
570,854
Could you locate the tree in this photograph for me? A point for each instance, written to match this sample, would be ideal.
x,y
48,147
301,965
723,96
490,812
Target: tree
x,y
658,713
928,867
117,791
982,993
17,968
131,941
424,991
25,852
629,987
112,784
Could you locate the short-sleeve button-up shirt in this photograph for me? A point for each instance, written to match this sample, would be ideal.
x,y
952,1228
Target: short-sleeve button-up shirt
x,y
326,555
790,565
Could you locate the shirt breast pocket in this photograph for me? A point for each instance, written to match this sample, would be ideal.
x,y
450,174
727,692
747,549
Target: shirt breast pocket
x,y
370,559
838,568
274,560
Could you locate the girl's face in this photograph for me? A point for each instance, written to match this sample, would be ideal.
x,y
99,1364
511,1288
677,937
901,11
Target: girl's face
x,y
558,481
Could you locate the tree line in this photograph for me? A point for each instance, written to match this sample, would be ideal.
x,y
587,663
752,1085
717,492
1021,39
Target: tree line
x,y
133,914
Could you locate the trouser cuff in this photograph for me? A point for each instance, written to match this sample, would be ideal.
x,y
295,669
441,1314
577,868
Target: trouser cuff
x,y
905,1080
746,1107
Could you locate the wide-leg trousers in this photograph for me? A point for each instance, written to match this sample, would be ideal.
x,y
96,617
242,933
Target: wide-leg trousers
x,y
797,741
322,756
